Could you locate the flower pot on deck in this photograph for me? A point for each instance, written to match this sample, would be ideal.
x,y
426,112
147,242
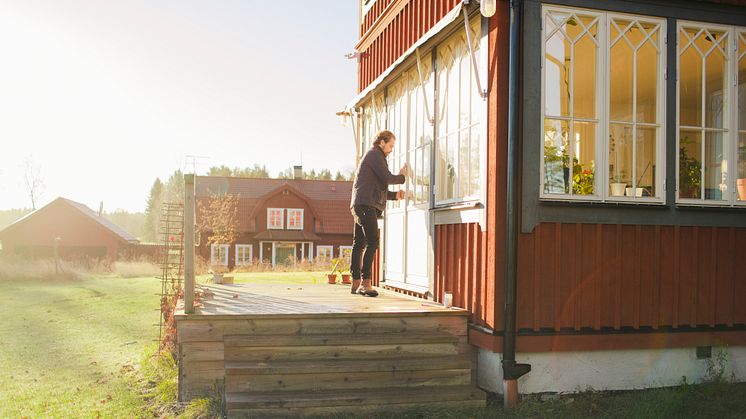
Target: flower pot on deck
x,y
346,279
217,278
332,278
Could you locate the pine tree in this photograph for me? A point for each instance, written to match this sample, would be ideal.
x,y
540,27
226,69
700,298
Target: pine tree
x,y
152,211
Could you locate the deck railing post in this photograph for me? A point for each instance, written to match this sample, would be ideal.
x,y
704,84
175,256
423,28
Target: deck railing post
x,y
189,243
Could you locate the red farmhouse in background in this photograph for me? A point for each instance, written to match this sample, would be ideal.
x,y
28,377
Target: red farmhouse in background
x,y
280,221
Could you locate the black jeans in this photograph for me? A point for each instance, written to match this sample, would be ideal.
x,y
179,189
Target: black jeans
x,y
364,241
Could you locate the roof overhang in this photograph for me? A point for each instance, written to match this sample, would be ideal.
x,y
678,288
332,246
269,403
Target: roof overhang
x,y
381,79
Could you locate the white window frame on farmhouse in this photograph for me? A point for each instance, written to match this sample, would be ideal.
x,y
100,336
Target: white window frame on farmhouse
x,y
290,218
324,252
215,251
732,44
242,251
342,251
270,225
605,26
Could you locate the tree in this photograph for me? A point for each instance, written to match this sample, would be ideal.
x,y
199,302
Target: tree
x,y
339,177
152,211
174,190
218,218
221,170
33,181
325,175
286,174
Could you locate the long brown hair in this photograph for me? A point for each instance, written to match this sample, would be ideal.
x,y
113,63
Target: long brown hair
x,y
382,136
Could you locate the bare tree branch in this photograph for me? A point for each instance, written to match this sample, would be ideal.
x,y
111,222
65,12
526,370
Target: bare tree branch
x,y
33,179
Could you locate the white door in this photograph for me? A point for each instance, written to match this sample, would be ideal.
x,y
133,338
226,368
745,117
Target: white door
x,y
408,229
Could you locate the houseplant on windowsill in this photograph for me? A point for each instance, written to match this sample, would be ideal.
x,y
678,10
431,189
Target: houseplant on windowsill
x,y
690,173
741,181
618,184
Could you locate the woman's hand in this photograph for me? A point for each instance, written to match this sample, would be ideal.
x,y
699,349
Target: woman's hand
x,y
400,195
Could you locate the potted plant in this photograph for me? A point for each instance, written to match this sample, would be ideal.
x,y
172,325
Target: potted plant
x,y
690,173
741,181
618,184
332,276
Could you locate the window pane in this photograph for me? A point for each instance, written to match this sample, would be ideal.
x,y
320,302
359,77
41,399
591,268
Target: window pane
x,y
584,156
647,83
474,179
715,166
621,83
425,174
584,75
690,86
716,89
556,157
620,159
690,164
556,70
741,113
463,163
645,158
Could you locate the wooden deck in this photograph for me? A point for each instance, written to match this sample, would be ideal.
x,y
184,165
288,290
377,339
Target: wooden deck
x,y
289,349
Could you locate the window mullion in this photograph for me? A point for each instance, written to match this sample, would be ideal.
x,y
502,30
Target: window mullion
x,y
634,120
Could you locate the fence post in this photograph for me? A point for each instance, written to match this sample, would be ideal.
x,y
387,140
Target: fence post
x,y
189,243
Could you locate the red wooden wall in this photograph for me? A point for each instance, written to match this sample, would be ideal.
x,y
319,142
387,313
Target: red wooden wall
x,y
575,276
417,17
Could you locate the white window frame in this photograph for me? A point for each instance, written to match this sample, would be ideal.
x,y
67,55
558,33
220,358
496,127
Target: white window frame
x,y
290,211
214,254
244,247
269,219
730,119
481,57
601,169
342,249
325,248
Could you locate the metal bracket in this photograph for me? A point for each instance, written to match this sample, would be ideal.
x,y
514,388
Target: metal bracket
x,y
482,93
422,87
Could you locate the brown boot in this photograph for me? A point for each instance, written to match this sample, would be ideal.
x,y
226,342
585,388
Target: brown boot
x,y
367,289
355,286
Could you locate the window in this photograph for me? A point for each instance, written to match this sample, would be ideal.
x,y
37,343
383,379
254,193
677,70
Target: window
x,y
295,219
345,252
218,254
397,121
244,254
458,119
603,106
275,218
324,253
711,114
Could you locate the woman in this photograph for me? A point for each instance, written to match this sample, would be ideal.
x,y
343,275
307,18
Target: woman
x,y
369,195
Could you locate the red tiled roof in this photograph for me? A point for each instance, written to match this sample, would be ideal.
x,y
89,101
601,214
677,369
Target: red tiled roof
x,y
286,235
330,199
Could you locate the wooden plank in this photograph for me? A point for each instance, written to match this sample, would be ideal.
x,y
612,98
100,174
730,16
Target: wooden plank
x,y
288,353
347,380
369,397
201,351
336,340
369,410
340,365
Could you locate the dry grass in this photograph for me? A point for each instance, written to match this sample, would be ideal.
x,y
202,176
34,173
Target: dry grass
x,y
19,269
135,269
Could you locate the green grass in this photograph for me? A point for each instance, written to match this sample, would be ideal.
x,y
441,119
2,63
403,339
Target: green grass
x,y
71,348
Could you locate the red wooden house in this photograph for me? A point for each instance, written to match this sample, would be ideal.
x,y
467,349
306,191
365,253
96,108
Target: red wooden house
x,y
281,221
76,230
578,180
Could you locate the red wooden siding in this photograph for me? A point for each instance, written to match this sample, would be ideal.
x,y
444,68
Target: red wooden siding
x,y
461,268
417,17
587,276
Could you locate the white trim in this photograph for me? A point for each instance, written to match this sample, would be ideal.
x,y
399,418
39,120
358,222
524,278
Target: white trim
x,y
269,218
292,211
250,260
325,248
342,249
602,120
214,255
730,128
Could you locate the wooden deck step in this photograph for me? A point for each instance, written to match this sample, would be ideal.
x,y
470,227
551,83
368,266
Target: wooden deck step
x,y
329,352
345,365
329,340
351,400
369,410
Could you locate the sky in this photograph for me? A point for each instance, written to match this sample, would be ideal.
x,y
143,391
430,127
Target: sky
x,y
105,96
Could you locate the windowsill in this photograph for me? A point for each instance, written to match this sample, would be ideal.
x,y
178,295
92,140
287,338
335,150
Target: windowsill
x,y
704,206
604,204
275,228
458,206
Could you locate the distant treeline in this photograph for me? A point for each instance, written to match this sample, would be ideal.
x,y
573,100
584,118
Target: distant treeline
x,y
261,172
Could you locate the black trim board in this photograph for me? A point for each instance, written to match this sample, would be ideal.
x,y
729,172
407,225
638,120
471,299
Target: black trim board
x,y
534,210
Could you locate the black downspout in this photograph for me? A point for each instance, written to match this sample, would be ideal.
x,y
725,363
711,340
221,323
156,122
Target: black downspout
x,y
511,370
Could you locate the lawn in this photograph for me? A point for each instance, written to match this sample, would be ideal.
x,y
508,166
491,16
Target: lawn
x,y
74,349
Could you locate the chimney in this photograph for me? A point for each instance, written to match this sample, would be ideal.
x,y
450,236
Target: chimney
x,y
297,172
101,208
